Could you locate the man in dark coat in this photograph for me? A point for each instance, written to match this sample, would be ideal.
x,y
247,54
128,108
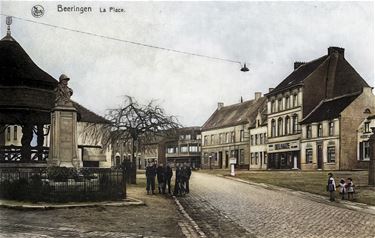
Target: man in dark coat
x,y
150,175
177,180
168,177
187,176
160,172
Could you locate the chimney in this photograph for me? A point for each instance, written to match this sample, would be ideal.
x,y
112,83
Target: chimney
x,y
220,105
270,89
258,95
297,64
334,49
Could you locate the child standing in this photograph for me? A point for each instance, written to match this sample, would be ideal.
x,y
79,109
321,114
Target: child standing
x,y
350,188
342,186
331,187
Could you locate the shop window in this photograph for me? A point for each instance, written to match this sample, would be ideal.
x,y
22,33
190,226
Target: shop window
x,y
309,156
193,148
331,155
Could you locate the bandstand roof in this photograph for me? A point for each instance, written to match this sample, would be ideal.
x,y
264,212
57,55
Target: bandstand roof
x,y
27,92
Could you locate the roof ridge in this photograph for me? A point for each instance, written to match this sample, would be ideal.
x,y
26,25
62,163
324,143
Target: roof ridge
x,y
342,96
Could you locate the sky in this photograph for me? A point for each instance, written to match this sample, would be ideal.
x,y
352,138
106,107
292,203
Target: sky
x,y
268,36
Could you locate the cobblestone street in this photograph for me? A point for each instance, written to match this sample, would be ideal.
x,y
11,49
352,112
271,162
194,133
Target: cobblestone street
x,y
223,208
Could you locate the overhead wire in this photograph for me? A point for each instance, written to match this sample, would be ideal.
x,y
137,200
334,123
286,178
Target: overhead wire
x,y
123,40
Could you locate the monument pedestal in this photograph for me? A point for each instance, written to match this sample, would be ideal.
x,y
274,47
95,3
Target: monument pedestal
x,y
63,143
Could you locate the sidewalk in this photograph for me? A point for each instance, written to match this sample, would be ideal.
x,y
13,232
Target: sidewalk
x,y
315,197
19,205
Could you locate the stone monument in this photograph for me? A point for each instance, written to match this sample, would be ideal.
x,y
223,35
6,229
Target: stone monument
x,y
371,166
63,144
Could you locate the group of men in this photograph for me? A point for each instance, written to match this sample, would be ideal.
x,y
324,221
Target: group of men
x,y
164,175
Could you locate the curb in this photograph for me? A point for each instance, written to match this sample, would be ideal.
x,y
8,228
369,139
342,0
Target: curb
x,y
126,202
316,197
193,225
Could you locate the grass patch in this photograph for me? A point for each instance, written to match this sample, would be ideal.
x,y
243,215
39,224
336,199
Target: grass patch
x,y
307,181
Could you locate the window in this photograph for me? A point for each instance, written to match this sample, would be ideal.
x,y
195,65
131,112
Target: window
x,y
320,130
242,157
331,154
364,150
287,125
261,139
221,138
199,137
15,133
367,127
295,100
212,139
182,137
193,148
260,157
265,138
295,124
241,135
8,134
252,158
251,140
330,128
256,158
232,138
256,139
273,128
184,149
280,104
205,140
265,157
308,131
227,137
280,127
309,156
170,150
273,106
188,137
287,102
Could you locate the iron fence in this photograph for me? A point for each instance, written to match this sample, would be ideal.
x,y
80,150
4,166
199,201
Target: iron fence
x,y
62,184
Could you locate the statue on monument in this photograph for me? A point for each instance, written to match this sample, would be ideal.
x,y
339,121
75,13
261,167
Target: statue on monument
x,y
63,92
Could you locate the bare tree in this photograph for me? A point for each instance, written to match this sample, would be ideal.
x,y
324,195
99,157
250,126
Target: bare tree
x,y
136,123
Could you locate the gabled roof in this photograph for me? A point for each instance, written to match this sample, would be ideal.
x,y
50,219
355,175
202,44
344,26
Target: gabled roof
x,y
236,114
344,78
88,116
329,109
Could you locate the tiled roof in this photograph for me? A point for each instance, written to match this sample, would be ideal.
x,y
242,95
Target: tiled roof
x,y
86,115
344,79
329,109
236,114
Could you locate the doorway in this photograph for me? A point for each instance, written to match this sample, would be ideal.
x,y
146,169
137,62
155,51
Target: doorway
x,y
220,159
226,159
320,156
